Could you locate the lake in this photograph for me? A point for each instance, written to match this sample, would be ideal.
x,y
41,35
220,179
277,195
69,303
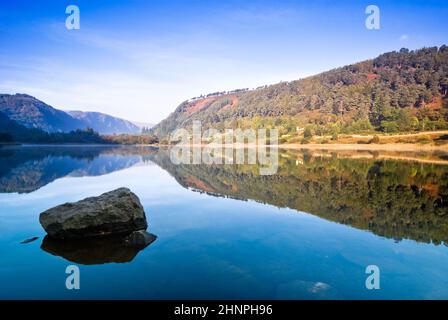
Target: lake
x,y
226,232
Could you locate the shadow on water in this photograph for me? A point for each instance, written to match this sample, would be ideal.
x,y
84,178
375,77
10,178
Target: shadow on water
x,y
94,251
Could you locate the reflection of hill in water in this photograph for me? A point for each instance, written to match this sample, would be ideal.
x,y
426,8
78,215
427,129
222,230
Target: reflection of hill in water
x,y
392,198
395,198
26,169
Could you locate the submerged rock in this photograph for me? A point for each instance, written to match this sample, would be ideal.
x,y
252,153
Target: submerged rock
x,y
29,240
117,212
100,250
139,239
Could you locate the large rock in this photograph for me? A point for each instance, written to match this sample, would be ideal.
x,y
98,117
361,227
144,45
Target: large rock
x,y
117,212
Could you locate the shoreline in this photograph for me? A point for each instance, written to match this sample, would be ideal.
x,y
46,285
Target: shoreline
x,y
367,147
413,147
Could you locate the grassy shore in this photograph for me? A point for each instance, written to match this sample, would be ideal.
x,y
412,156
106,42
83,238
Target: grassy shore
x,y
419,141
368,147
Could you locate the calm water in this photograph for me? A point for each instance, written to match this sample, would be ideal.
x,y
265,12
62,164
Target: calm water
x,y
307,232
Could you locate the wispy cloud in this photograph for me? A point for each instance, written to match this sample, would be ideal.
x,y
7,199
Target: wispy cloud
x,y
404,37
138,77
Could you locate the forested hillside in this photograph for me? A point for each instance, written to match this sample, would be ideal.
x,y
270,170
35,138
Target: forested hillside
x,y
12,132
395,92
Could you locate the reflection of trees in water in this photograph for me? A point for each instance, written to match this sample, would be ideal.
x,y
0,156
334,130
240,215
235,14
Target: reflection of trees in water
x,y
392,198
26,169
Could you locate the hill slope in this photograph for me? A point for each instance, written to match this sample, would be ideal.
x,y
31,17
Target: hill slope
x,y
33,113
11,131
105,124
397,91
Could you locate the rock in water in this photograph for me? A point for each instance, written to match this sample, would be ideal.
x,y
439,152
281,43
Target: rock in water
x,y
117,212
29,240
139,239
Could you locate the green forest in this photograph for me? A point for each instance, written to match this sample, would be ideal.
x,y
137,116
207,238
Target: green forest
x,y
402,91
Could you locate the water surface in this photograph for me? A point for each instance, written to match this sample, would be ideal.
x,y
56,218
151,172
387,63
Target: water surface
x,y
225,231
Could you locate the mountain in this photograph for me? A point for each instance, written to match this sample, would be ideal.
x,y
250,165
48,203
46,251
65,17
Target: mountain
x,y
395,92
11,131
33,113
105,124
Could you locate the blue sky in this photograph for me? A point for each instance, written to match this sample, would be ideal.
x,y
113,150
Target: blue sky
x,y
140,59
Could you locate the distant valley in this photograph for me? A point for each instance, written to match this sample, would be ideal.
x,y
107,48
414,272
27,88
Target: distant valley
x,y
105,124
